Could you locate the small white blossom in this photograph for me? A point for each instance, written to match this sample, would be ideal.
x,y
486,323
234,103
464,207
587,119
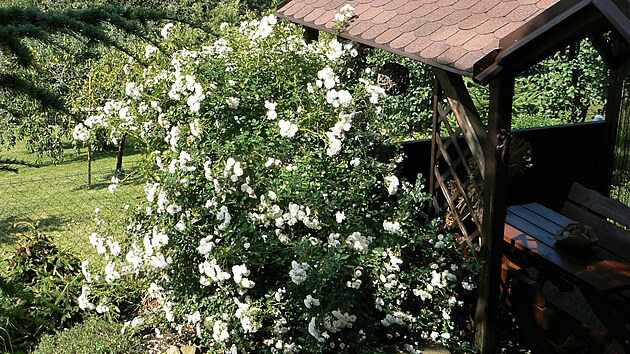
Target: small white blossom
x,y
149,49
334,147
313,331
81,133
391,227
102,306
220,331
84,303
111,273
112,187
86,273
233,102
298,272
165,29
392,184
344,98
358,242
271,106
98,243
240,276
195,128
333,240
468,286
287,129
310,301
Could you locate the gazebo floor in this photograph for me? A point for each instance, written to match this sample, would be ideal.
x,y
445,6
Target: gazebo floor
x,y
573,317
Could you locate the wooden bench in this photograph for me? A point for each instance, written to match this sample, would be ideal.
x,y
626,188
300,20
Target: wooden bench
x,y
602,273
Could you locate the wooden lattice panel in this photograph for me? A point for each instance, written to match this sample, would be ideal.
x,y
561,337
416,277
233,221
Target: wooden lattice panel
x,y
456,180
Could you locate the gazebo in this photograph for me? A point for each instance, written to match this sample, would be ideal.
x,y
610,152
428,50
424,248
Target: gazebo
x,y
491,41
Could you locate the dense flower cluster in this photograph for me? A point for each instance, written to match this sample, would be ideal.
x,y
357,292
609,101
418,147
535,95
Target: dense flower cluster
x,y
274,219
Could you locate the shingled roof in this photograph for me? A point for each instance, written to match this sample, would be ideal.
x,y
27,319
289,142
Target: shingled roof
x,y
450,34
445,33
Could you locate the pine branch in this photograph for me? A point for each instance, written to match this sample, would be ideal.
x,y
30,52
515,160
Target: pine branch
x,y
20,27
18,24
16,84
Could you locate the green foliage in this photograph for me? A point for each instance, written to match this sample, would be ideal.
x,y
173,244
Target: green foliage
x,y
568,87
95,335
38,292
571,85
412,111
58,39
19,25
42,55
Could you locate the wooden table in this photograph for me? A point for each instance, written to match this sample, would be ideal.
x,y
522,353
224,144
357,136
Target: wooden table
x,y
602,273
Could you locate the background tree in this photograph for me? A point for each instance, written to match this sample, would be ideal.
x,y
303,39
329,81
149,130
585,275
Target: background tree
x,y
32,104
53,52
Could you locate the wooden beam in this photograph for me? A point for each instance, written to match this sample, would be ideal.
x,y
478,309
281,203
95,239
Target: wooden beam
x,y
495,187
618,14
465,112
614,51
603,48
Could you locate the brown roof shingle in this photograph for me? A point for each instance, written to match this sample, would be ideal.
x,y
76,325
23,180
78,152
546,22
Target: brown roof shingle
x,y
451,34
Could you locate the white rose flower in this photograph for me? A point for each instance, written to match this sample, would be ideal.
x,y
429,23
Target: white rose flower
x,y
392,184
233,102
287,129
391,227
298,272
164,31
81,132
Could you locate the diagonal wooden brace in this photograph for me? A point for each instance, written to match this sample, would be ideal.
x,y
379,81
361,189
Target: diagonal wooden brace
x,y
465,112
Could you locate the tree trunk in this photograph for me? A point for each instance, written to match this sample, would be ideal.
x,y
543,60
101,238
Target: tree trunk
x,y
119,157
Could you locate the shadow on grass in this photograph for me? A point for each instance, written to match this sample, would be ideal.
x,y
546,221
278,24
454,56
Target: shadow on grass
x,y
102,181
72,155
81,155
12,227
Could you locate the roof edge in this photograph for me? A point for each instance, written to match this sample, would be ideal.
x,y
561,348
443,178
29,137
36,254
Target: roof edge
x,y
542,25
284,2
370,44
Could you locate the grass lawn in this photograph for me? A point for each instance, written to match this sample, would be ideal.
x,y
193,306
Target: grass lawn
x,y
55,197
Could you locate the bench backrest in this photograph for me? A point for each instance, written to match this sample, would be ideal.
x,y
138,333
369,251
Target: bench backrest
x,y
592,208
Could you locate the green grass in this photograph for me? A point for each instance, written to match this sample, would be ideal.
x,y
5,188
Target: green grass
x,y
56,200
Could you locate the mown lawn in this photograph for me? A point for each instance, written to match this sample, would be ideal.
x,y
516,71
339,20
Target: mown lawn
x,y
56,200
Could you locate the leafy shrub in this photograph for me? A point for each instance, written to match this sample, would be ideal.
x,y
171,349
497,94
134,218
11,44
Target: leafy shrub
x,y
564,88
411,112
93,336
38,294
274,219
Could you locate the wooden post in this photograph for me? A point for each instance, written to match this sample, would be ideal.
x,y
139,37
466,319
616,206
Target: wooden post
x,y
435,134
613,109
119,156
89,171
89,154
494,190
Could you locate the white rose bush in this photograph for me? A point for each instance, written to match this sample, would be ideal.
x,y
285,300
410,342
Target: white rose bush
x,y
275,218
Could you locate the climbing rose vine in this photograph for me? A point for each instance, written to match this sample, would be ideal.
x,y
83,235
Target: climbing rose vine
x,y
275,218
